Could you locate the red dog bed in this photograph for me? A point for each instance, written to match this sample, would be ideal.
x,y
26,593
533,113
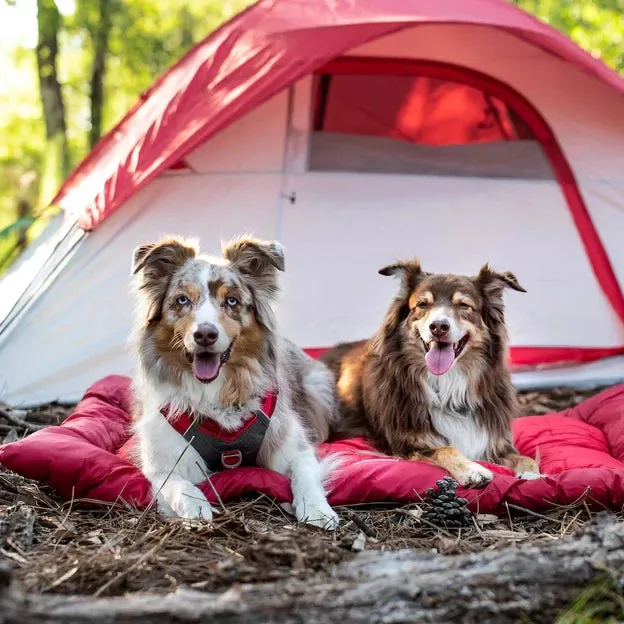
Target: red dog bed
x,y
581,450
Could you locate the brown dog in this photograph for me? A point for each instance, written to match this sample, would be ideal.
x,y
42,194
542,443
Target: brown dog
x,y
433,382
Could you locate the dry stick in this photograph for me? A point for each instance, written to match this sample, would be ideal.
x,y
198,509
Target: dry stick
x,y
587,509
69,509
114,504
509,515
530,512
580,500
18,422
476,525
13,556
62,524
15,547
136,544
273,505
565,527
367,530
214,490
135,565
61,579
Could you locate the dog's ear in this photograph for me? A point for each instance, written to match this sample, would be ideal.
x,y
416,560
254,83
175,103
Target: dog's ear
x,y
252,256
258,261
155,264
493,283
139,255
410,272
163,258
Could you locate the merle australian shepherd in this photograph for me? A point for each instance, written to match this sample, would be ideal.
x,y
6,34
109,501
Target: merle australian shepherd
x,y
209,356
433,384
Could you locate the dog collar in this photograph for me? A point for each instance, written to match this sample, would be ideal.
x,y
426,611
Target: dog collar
x,y
220,448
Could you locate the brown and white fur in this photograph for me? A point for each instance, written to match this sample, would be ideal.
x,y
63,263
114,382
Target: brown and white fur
x,y
453,417
206,344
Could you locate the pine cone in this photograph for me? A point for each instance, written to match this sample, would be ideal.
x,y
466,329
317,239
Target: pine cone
x,y
444,508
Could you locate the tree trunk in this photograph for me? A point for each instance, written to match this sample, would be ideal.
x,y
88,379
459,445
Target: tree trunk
x,y
24,211
56,156
186,28
100,35
530,583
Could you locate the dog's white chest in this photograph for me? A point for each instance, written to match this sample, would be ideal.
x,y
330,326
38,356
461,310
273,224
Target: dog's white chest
x,y
452,415
462,432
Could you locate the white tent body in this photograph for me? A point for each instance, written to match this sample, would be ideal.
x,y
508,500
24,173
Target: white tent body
x,y
344,225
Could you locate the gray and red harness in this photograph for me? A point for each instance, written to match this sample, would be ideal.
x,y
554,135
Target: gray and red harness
x,y
226,449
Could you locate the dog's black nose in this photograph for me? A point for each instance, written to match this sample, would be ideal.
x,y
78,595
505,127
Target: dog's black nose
x,y
206,334
439,328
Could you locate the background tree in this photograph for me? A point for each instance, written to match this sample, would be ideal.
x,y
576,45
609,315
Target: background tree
x,y
99,27
74,68
56,161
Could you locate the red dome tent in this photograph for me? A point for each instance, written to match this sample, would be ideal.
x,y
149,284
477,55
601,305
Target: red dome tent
x,y
356,132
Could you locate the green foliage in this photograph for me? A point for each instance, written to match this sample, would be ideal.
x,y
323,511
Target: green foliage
x,y
596,25
20,224
23,142
144,38
148,37
599,603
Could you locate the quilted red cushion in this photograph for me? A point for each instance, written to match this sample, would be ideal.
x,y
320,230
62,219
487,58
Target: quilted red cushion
x,y
581,449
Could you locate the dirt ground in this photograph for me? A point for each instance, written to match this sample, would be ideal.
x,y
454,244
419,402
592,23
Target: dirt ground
x,y
56,548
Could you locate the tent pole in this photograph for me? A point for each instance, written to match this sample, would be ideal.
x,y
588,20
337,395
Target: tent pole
x,y
30,295
285,194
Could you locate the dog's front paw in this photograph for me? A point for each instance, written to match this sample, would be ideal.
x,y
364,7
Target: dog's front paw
x,y
316,513
529,475
185,501
474,476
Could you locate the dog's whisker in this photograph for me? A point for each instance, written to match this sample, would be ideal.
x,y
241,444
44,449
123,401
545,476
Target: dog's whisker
x,y
177,342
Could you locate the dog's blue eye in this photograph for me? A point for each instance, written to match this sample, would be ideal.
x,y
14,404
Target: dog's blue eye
x,y
183,300
232,301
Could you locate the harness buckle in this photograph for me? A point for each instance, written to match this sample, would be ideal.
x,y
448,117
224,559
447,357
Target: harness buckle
x,y
231,459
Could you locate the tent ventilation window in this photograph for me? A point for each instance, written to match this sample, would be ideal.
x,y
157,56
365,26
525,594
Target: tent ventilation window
x,y
418,125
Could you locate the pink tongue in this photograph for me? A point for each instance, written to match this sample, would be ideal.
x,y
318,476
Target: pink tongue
x,y
439,360
206,367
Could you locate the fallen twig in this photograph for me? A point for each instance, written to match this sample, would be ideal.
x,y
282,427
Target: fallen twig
x,y
19,422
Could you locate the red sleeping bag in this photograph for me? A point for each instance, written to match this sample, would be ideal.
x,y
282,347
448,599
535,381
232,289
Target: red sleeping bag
x,y
581,451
